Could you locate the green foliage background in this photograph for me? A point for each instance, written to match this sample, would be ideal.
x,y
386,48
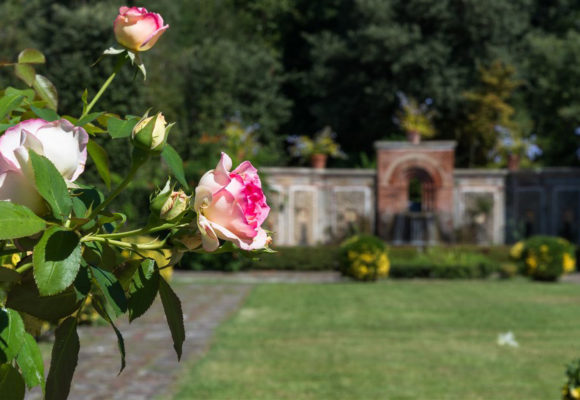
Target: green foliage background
x,y
294,66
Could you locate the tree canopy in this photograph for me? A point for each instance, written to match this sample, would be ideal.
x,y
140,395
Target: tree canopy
x,y
291,67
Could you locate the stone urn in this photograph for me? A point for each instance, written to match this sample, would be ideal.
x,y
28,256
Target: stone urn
x,y
414,137
513,162
318,160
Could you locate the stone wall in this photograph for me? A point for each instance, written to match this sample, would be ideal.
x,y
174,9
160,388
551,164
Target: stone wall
x,y
311,206
479,205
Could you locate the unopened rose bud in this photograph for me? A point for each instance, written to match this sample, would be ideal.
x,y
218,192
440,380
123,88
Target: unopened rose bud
x,y
150,134
174,206
138,29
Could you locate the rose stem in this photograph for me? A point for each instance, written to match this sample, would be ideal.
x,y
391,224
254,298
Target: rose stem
x,y
120,62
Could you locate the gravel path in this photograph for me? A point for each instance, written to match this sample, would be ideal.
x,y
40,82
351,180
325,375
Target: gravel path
x,y
152,364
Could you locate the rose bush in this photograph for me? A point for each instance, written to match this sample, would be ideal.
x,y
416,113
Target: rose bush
x,y
62,249
231,206
138,29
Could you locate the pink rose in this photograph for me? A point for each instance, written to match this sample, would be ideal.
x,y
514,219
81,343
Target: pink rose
x,y
64,144
231,206
138,29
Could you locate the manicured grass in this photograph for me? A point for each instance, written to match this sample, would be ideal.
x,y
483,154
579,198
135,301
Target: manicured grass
x,y
393,340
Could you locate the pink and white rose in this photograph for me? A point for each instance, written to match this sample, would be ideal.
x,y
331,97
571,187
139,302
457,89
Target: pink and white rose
x,y
231,206
64,144
138,29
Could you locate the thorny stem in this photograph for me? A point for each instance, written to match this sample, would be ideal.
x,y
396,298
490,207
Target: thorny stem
x,y
125,245
140,231
138,160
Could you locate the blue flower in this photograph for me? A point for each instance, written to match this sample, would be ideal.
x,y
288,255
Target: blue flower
x,y
577,131
533,151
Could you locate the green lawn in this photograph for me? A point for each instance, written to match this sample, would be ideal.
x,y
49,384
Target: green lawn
x,y
393,340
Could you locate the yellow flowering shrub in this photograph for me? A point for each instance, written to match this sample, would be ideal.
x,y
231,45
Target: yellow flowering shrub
x,y
516,250
571,389
364,258
545,257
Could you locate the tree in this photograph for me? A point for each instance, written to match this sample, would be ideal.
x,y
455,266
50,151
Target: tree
x,y
489,112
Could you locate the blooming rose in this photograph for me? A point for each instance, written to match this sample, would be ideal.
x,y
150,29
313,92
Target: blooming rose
x,y
64,144
138,29
231,206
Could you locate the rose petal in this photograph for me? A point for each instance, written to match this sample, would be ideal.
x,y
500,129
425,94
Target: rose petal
x,y
225,211
153,38
65,146
17,188
12,139
209,239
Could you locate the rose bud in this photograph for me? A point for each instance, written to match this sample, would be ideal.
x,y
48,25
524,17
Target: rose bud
x,y
169,205
138,29
150,134
175,206
231,206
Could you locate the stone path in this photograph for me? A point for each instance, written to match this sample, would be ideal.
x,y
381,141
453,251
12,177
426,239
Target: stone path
x,y
152,365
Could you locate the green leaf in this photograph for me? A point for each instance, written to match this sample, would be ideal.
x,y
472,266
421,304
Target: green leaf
x,y
143,289
174,315
17,221
51,186
9,103
27,93
102,255
175,163
115,301
83,200
31,56
9,275
119,128
88,118
101,309
26,73
46,91
11,383
25,298
45,113
29,360
65,354
11,334
101,160
56,260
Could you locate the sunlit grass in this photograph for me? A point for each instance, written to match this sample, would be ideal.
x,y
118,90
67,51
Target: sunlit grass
x,y
394,340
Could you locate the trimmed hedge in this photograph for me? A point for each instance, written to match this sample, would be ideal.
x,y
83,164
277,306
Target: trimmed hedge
x,y
443,263
432,271
437,262
320,258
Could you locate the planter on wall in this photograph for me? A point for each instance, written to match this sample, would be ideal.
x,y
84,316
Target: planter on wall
x,y
318,161
513,162
414,137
